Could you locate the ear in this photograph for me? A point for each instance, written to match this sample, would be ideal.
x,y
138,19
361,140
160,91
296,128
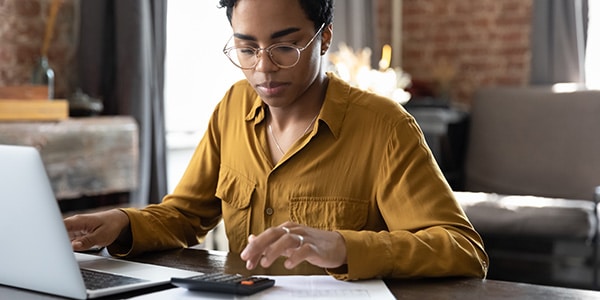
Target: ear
x,y
326,38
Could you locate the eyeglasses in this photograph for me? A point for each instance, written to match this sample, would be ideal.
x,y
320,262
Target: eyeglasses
x,y
283,55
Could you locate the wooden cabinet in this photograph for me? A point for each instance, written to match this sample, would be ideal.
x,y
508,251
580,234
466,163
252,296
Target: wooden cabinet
x,y
84,157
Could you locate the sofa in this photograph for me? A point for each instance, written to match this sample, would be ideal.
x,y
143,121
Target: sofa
x,y
531,177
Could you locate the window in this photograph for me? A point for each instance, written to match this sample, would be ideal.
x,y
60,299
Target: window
x,y
592,59
197,75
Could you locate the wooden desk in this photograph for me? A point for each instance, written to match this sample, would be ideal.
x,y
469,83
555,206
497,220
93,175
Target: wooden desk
x,y
446,288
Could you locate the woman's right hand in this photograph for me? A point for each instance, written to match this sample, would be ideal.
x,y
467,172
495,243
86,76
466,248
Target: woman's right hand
x,y
97,229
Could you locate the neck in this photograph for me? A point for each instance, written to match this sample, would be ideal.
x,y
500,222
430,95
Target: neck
x,y
303,110
283,140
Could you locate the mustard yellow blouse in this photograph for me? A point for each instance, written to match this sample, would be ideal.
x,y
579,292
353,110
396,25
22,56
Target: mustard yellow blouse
x,y
364,171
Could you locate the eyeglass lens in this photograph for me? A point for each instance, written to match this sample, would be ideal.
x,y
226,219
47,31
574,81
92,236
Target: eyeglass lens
x,y
281,55
284,56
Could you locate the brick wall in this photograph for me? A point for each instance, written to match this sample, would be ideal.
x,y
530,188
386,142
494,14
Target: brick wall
x,y
22,29
454,46
462,43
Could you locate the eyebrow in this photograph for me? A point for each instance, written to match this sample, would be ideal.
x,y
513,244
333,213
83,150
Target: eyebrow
x,y
275,35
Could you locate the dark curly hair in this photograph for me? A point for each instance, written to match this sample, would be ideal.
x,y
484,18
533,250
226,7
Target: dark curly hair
x,y
318,11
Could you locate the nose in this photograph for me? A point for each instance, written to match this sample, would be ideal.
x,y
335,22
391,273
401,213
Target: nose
x,y
264,62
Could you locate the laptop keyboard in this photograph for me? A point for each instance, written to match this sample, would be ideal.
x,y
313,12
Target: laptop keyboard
x,y
95,280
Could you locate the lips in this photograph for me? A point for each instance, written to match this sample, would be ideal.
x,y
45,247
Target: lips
x,y
271,88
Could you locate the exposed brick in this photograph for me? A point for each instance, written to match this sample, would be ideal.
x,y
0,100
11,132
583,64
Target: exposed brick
x,y
28,8
26,55
511,6
22,29
486,40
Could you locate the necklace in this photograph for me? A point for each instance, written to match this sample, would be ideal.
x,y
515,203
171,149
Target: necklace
x,y
310,124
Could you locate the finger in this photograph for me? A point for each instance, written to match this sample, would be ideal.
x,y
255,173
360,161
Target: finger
x,y
86,240
299,255
300,240
77,245
72,224
78,226
265,248
249,250
251,264
286,245
251,261
82,243
257,244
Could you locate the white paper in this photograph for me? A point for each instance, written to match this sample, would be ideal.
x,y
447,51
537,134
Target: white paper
x,y
293,287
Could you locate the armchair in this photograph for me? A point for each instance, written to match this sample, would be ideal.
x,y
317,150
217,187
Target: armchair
x,y
532,172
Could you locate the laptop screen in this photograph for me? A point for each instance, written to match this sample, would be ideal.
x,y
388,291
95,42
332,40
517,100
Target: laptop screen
x,y
36,252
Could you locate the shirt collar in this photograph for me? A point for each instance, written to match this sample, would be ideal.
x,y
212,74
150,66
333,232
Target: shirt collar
x,y
332,113
335,105
257,111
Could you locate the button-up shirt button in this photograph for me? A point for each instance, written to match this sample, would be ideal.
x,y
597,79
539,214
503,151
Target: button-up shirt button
x,y
269,211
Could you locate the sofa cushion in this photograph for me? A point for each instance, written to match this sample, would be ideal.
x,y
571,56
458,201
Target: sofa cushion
x,y
533,141
529,216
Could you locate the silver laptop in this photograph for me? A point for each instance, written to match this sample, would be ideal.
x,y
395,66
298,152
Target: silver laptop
x,y
36,252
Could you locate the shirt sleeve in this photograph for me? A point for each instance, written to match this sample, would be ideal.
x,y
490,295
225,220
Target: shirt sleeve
x,y
184,216
428,233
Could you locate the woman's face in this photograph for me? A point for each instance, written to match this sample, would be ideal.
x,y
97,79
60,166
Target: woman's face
x,y
262,23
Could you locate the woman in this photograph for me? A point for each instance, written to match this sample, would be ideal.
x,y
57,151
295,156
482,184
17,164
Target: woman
x,y
300,164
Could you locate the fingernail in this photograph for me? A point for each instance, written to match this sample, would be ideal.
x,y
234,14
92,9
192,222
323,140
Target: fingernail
x,y
249,265
288,264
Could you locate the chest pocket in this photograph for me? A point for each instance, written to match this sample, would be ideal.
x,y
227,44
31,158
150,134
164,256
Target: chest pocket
x,y
235,193
330,213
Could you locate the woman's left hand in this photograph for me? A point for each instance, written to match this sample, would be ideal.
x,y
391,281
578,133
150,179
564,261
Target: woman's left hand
x,y
326,249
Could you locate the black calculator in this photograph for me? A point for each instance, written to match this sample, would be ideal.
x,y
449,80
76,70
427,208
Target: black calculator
x,y
225,283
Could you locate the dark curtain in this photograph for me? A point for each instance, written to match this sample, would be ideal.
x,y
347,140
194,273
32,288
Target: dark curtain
x,y
121,61
354,25
558,38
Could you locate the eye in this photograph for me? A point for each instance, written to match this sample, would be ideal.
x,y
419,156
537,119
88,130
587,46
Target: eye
x,y
282,49
246,51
